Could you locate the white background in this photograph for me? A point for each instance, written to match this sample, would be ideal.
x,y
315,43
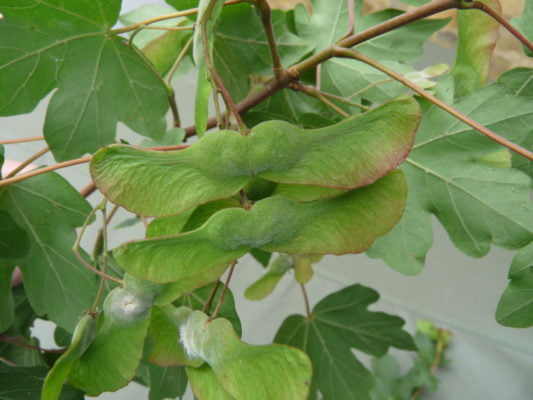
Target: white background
x,y
489,362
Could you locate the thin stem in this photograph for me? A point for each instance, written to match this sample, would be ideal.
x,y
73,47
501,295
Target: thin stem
x,y
161,28
306,300
105,221
98,243
40,171
218,80
372,85
169,28
89,188
218,111
341,99
311,91
27,162
266,20
292,74
22,140
318,76
180,58
174,109
477,5
183,13
211,297
76,247
345,101
144,221
351,21
416,14
224,290
16,342
246,203
346,53
9,363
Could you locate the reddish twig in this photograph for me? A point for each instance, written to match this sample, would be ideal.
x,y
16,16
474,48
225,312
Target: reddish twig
x,y
266,20
477,5
88,189
224,290
293,73
16,342
22,140
346,53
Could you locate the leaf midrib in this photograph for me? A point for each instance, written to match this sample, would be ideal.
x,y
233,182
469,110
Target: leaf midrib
x,y
464,190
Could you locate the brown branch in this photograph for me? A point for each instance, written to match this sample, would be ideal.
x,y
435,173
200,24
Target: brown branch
x,y
22,140
293,73
266,20
88,190
416,14
8,339
477,5
347,53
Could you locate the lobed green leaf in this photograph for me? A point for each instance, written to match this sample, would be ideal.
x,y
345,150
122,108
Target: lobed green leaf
x,y
100,80
48,208
478,205
338,323
516,304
